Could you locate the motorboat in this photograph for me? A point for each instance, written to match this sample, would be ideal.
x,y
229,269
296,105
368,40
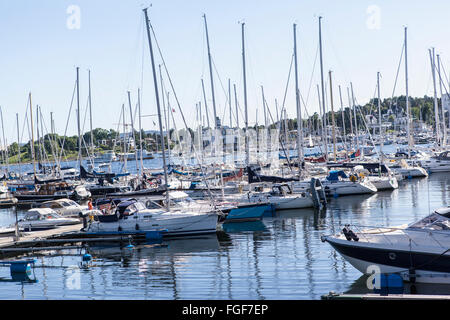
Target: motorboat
x,y
419,252
337,183
280,196
44,218
379,175
438,163
408,170
65,207
134,216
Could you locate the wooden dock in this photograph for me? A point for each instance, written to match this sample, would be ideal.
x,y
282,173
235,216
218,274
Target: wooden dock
x,y
58,238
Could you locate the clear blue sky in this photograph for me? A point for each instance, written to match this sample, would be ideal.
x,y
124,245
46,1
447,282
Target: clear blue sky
x,y
39,53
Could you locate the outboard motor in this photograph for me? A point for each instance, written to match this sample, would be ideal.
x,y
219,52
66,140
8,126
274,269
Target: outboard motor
x,y
349,234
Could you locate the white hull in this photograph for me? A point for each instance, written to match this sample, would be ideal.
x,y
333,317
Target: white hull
x,y
384,183
176,223
349,188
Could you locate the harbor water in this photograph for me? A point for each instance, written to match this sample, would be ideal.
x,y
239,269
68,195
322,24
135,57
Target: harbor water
x,y
277,258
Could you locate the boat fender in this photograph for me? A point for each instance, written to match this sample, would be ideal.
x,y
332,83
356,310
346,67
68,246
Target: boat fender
x,y
137,226
349,234
119,229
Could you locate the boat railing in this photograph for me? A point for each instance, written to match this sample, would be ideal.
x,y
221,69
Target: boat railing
x,y
363,233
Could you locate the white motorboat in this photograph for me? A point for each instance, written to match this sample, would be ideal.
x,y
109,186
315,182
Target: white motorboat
x,y
281,196
136,217
439,163
65,207
408,171
419,252
379,175
44,218
338,183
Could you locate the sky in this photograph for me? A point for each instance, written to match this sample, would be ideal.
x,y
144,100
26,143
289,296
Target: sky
x,y
42,43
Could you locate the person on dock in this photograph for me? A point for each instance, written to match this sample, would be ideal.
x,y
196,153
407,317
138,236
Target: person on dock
x,y
90,204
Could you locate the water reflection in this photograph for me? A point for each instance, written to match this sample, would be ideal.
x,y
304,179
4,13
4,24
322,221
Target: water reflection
x,y
280,257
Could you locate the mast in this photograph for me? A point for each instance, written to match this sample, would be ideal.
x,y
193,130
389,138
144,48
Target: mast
x,y
407,93
90,114
32,138
18,143
350,114
332,117
324,128
436,112
356,119
229,103
236,105
78,117
211,73
379,114
4,141
343,118
125,149
132,130
166,117
206,104
247,147
158,106
140,132
444,129
298,107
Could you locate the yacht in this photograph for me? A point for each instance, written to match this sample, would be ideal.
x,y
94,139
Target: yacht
x,y
65,207
134,216
44,218
419,252
438,163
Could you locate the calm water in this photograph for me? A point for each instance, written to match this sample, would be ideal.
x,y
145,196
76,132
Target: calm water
x,y
279,258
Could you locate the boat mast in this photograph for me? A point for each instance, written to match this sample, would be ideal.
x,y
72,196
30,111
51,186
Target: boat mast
x,y
132,130
379,115
343,118
356,118
140,132
78,117
444,129
210,73
158,106
407,93
299,111
206,104
5,142
350,115
324,127
247,147
90,114
18,143
32,138
125,149
332,118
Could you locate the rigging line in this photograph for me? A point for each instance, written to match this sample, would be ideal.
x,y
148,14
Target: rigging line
x,y
223,88
310,82
396,77
48,137
179,107
68,117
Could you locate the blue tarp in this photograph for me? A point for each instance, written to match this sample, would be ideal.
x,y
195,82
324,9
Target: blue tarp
x,y
335,174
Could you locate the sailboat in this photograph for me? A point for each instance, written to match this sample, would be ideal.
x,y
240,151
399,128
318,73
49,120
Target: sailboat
x,y
136,217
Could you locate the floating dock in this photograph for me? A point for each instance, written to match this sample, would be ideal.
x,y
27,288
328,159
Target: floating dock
x,y
65,237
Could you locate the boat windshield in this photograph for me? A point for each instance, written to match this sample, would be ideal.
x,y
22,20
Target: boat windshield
x,y
135,207
432,222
